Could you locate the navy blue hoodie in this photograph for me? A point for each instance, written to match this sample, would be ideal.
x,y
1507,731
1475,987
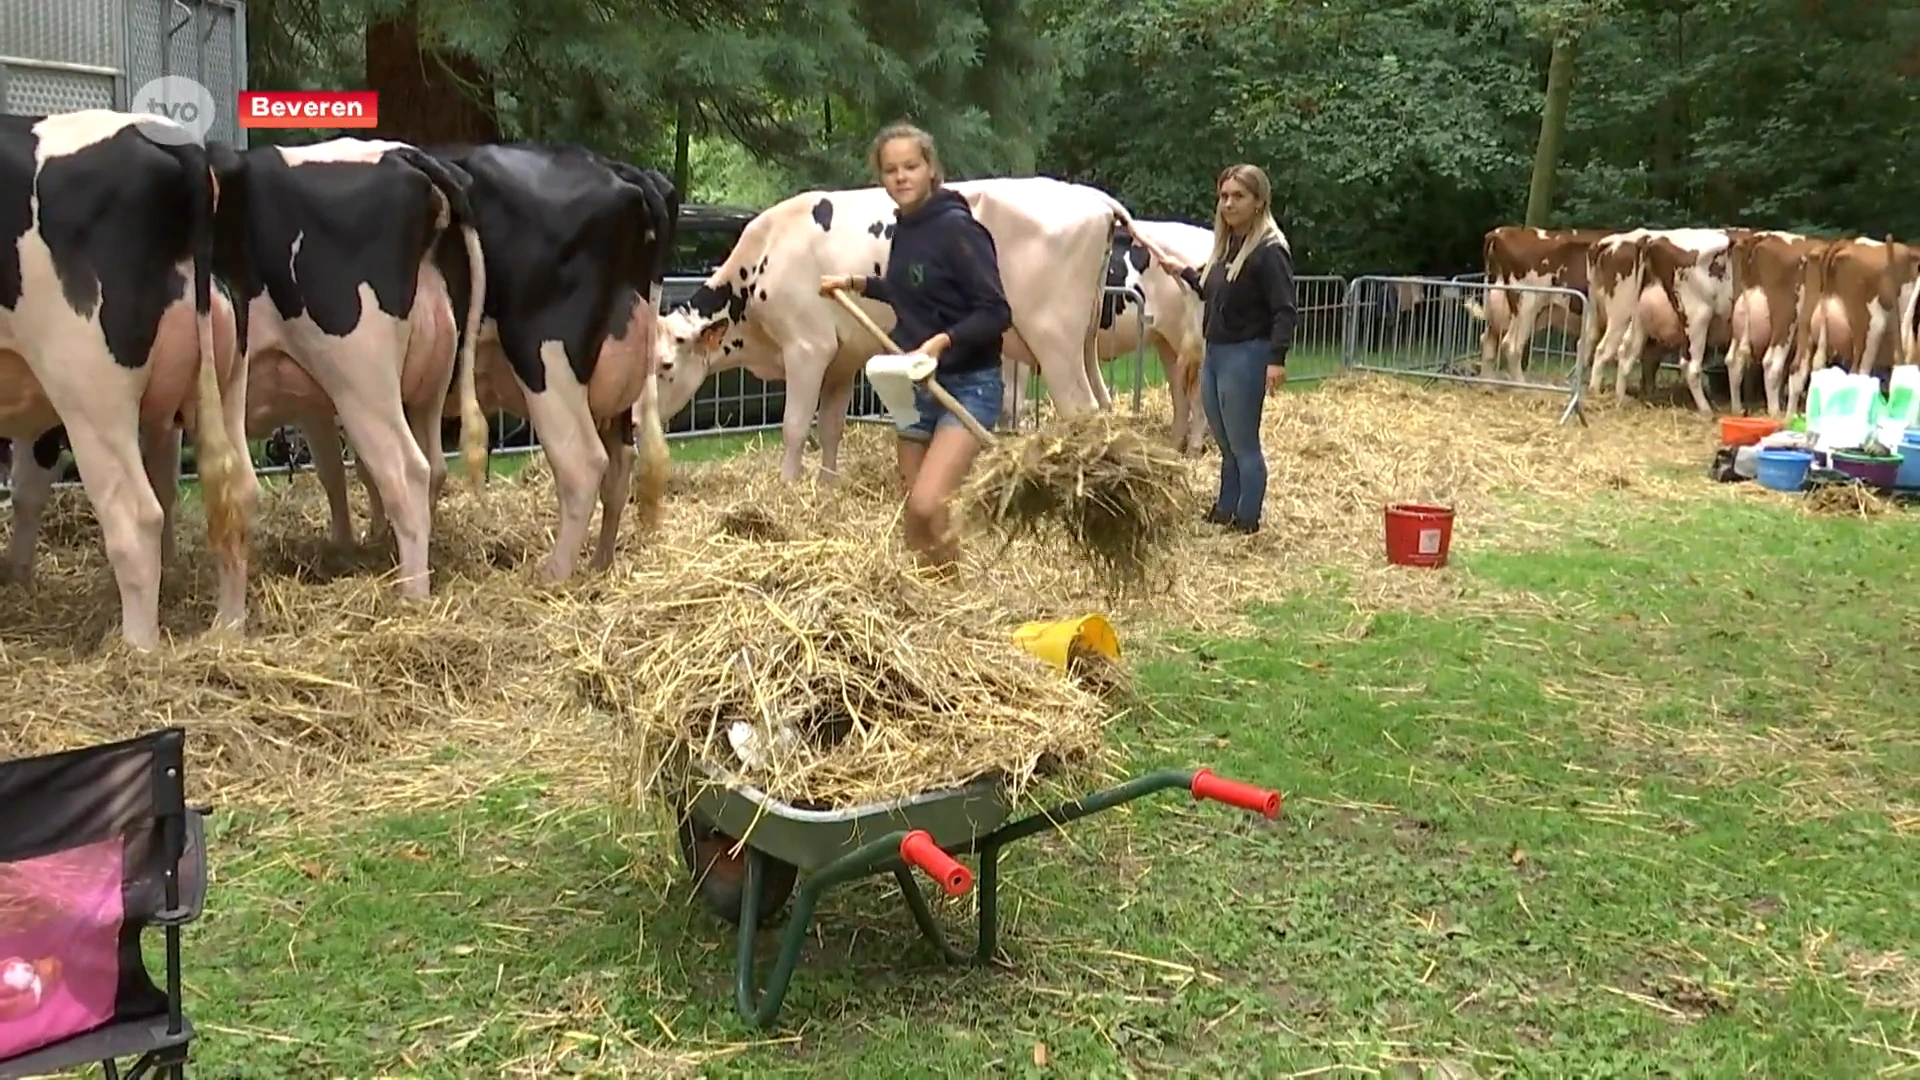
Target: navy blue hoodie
x,y
943,276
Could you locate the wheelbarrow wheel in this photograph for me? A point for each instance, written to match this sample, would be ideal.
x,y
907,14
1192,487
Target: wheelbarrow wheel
x,y
720,874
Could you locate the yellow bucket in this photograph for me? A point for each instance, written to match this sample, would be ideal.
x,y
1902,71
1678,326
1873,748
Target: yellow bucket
x,y
1054,641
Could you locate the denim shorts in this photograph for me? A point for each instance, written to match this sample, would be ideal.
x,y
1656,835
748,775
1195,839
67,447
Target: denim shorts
x,y
978,392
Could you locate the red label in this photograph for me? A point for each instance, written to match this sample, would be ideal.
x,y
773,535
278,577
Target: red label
x,y
309,109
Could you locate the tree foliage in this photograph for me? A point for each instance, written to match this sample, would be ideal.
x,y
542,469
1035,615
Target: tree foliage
x,y
1396,131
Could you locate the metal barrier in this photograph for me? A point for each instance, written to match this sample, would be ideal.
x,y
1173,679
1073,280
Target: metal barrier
x,y
1428,327
1415,326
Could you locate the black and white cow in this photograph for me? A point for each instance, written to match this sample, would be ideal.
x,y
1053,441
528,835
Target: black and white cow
x,y
359,274
107,328
1172,315
577,249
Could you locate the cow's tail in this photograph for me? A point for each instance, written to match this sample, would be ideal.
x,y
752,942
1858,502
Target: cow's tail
x,y
454,184
1475,310
216,458
1124,218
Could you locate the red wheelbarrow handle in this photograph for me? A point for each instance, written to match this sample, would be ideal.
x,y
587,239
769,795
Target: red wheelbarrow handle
x,y
918,849
1234,793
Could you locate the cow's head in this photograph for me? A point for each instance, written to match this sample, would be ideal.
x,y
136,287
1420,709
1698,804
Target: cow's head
x,y
685,343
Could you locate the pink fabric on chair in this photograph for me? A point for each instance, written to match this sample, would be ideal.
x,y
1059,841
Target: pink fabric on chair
x,y
60,918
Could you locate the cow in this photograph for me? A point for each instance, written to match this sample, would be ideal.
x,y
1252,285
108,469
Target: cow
x,y
577,249
1862,289
1672,287
1771,303
1173,316
348,260
762,309
159,451
106,329
1520,255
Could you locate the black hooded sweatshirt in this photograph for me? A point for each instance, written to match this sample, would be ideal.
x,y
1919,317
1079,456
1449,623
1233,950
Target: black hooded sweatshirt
x,y
943,276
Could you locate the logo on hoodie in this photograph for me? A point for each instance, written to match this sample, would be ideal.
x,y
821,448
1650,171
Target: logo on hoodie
x,y
916,274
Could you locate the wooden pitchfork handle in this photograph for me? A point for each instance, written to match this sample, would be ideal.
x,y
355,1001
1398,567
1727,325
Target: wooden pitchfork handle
x,y
939,392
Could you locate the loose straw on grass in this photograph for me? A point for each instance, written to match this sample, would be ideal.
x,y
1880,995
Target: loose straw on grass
x,y
343,697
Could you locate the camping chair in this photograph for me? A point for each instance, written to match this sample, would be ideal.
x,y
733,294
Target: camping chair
x,y
96,845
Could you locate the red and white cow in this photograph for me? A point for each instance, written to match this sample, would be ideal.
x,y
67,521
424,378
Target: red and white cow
x,y
762,309
1771,303
107,315
335,248
1672,287
1862,288
1520,255
1173,316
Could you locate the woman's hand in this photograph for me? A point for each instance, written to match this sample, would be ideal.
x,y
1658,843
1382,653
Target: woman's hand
x,y
1276,378
833,282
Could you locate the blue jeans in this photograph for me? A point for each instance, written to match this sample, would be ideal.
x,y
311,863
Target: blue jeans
x,y
1233,387
978,392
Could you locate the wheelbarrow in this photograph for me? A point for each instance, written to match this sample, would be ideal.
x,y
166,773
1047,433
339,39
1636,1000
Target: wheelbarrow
x,y
744,882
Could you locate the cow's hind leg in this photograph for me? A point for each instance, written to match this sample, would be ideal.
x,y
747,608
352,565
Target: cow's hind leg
x,y
160,450
616,437
562,420
834,400
32,485
329,465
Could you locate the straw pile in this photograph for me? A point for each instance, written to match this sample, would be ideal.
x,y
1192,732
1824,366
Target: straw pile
x,y
870,681
1117,494
344,697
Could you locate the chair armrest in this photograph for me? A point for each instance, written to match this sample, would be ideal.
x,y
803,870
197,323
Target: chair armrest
x,y
192,873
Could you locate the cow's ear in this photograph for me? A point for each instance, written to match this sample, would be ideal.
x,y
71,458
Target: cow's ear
x,y
713,332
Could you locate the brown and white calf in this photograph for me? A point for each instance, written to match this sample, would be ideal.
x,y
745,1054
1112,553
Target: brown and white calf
x,y
1670,287
762,308
107,313
1771,303
347,257
1519,255
1862,289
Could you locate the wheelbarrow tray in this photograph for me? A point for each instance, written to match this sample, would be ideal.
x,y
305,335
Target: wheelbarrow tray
x,y
810,839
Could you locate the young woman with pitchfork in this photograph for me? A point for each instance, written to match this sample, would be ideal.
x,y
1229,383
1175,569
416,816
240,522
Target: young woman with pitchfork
x,y
943,283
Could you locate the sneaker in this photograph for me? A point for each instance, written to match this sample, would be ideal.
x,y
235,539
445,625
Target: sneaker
x,y
1242,527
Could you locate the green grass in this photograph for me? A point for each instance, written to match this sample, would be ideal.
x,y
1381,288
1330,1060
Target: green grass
x,y
1643,805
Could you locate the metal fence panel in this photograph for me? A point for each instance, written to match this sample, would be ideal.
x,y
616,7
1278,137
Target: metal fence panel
x,y
1413,326
1433,327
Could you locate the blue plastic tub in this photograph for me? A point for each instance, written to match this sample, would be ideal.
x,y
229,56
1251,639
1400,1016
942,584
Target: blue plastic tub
x,y
1909,451
1783,470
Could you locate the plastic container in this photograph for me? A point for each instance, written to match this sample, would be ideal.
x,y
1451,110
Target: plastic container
x,y
1054,642
1908,475
1871,470
1783,470
1418,534
1746,430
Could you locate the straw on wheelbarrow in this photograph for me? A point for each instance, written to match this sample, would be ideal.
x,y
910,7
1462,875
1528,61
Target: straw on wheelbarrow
x,y
1120,496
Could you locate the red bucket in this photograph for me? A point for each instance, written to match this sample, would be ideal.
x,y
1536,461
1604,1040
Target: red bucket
x,y
1418,535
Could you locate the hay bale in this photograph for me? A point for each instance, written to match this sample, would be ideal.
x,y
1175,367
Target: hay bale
x,y
893,685
1119,496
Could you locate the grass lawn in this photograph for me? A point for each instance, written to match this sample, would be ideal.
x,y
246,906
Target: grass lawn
x,y
1647,805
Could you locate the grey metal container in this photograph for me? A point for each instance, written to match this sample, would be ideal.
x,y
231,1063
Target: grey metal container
x,y
60,55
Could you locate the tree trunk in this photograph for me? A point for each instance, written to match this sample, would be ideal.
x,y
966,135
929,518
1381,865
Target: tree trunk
x,y
427,95
1553,128
683,122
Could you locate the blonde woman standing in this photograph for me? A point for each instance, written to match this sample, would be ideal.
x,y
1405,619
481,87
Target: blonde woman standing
x,y
1249,313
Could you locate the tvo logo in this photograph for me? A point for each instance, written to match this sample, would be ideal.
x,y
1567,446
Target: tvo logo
x,y
182,109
